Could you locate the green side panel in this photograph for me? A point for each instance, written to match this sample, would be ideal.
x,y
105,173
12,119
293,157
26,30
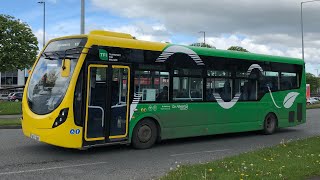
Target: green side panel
x,y
178,120
195,119
192,131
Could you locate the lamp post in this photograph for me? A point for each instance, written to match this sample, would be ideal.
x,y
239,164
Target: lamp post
x,y
302,42
44,21
82,17
204,37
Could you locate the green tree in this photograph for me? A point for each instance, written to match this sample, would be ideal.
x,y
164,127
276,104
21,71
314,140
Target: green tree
x,y
237,48
313,81
202,45
18,45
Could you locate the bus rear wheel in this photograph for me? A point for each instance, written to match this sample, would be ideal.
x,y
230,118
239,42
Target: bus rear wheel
x,y
270,124
144,134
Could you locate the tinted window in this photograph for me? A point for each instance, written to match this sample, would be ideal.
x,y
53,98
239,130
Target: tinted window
x,y
153,85
271,80
187,72
62,45
288,81
187,89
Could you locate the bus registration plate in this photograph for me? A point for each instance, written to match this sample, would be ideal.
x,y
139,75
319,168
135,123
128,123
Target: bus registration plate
x,y
35,137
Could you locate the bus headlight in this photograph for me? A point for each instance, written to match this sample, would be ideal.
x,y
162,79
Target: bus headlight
x,y
61,118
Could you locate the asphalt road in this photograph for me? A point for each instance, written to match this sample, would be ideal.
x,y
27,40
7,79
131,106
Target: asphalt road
x,y
23,158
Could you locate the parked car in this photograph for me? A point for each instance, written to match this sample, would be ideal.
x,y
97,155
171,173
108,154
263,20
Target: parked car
x,y
16,97
317,98
311,101
3,97
9,96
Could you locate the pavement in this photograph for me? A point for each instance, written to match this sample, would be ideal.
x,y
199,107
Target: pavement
x,y
10,116
23,158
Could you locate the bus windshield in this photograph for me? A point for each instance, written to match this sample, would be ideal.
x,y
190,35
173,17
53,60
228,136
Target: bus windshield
x,y
47,87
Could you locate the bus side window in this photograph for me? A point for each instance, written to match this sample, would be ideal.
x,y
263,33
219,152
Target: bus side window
x,y
153,85
271,80
288,81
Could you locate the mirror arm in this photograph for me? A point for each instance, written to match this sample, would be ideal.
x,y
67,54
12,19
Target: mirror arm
x,y
63,64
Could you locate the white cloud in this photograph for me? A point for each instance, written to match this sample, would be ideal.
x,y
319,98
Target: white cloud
x,y
244,16
143,31
269,27
266,27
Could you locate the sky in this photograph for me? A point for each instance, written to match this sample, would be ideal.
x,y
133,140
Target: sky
x,y
266,27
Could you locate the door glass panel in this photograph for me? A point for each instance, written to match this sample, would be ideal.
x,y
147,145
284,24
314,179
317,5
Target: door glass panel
x,y
119,94
97,97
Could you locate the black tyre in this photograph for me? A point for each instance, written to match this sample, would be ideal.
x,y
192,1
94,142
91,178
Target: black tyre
x,y
144,134
270,124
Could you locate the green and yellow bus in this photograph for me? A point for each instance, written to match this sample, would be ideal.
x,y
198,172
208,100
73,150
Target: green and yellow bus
x,y
109,88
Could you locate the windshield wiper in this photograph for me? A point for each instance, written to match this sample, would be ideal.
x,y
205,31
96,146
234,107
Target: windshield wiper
x,y
52,56
76,52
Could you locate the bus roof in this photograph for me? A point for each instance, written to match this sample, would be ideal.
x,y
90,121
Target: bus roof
x,y
114,39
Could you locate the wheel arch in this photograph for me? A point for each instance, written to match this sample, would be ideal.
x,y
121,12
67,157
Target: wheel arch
x,y
152,117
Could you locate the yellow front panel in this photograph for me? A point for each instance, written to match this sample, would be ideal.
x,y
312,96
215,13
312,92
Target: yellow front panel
x,y
41,125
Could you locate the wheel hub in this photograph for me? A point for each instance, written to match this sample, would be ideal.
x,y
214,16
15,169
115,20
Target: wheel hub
x,y
270,123
144,133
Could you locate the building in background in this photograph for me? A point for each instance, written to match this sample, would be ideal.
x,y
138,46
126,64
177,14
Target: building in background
x,y
13,80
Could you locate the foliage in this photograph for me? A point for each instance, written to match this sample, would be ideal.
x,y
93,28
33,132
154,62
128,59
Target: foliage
x,y
237,48
18,45
289,160
202,45
313,81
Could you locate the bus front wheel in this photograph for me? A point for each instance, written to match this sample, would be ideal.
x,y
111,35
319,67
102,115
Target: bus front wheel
x,y
270,124
144,134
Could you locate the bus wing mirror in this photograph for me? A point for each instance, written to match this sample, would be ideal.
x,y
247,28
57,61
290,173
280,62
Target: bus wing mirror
x,y
65,67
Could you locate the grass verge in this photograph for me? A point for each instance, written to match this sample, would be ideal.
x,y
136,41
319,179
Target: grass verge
x,y
8,108
10,122
313,106
294,160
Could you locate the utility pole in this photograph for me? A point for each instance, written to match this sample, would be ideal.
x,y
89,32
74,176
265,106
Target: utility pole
x,y
204,37
301,22
82,17
44,21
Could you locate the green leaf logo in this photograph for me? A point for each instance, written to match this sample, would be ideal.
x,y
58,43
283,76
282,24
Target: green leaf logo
x,y
103,54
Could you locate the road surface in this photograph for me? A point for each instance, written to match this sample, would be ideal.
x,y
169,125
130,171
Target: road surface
x,y
23,158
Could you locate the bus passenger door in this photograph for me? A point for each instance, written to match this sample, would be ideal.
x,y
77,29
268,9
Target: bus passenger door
x,y
96,104
107,103
119,110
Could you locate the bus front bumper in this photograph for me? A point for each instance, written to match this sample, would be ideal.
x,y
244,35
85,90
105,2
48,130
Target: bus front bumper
x,y
62,136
